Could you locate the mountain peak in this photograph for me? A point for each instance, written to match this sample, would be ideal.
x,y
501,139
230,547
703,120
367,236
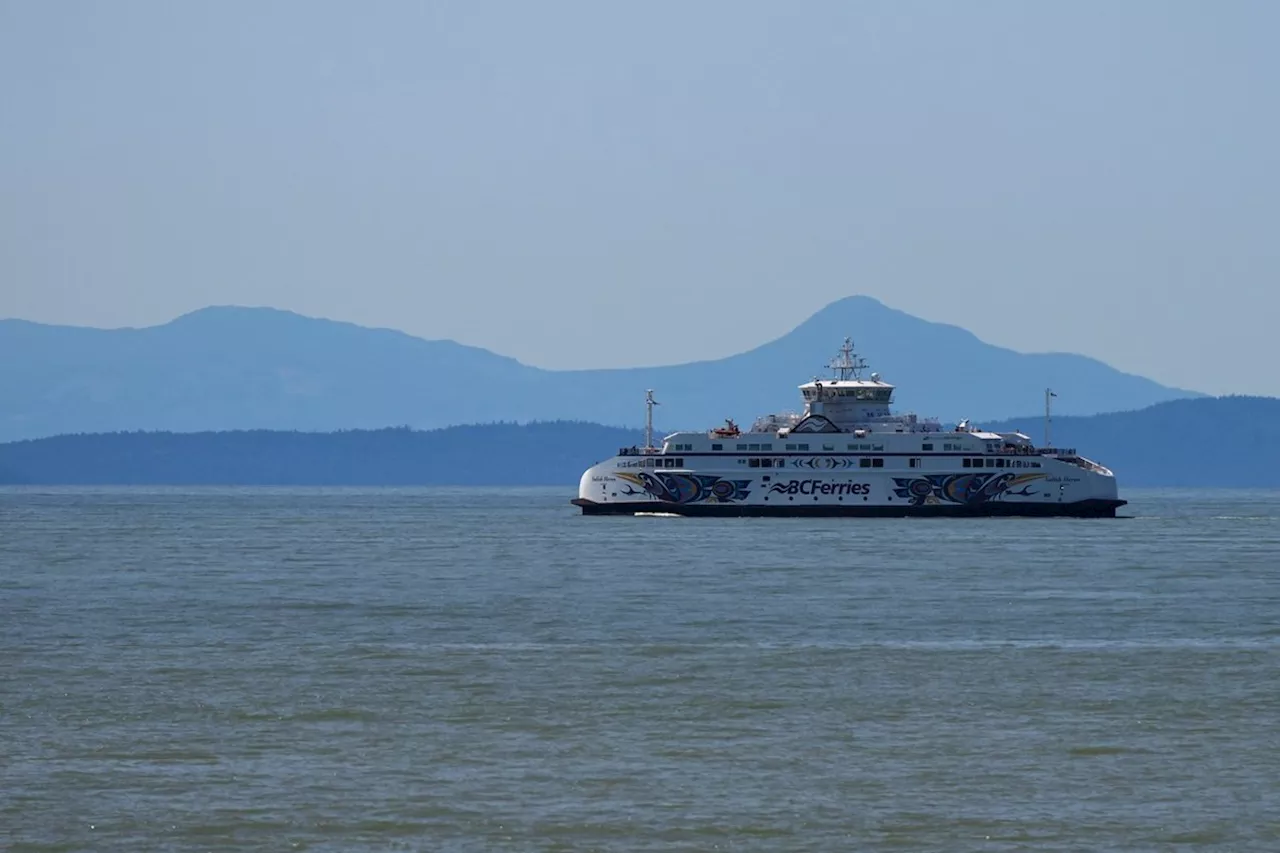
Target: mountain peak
x,y
242,367
879,332
217,315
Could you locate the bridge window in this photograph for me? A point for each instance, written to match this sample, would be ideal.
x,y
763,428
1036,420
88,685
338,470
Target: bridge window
x,y
742,447
926,447
717,447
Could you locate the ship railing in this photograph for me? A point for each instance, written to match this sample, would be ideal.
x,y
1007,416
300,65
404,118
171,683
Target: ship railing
x,y
1069,456
635,450
1058,451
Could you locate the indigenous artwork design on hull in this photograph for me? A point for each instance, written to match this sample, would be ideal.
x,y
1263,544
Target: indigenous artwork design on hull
x,y
828,462
689,488
969,489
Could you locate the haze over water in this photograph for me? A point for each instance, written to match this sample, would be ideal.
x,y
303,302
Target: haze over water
x,y
478,669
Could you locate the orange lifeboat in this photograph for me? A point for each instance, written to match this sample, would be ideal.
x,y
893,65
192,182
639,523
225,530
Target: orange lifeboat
x,y
729,430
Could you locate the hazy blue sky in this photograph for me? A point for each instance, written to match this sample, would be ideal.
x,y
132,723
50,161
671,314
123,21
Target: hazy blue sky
x,y
601,184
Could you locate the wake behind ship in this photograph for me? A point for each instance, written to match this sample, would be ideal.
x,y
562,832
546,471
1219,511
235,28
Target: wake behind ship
x,y
847,453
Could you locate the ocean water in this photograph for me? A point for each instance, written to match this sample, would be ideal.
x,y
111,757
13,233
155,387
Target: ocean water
x,y
468,669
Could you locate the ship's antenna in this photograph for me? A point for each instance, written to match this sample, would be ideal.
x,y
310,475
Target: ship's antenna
x,y
1047,418
848,364
649,403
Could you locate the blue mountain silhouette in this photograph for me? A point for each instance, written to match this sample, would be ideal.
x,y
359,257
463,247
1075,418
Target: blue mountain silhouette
x,y
225,368
1144,448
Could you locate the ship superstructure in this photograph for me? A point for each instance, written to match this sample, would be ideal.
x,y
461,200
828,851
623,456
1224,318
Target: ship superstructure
x,y
848,453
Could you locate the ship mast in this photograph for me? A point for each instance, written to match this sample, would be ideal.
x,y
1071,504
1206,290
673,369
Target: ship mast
x,y
848,364
649,403
1047,419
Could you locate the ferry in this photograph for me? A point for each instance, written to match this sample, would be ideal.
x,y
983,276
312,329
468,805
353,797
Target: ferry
x,y
848,454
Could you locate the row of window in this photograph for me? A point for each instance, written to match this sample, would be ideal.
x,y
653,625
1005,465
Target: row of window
x,y
875,395
999,463
831,448
662,462
864,462
768,446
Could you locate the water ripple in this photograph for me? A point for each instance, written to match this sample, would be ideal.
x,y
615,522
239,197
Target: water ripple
x,y
336,670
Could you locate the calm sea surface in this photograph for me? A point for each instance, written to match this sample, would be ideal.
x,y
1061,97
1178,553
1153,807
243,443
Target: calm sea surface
x,y
452,669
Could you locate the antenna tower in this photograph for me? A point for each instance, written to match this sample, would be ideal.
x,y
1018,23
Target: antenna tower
x,y
649,403
848,364
1048,395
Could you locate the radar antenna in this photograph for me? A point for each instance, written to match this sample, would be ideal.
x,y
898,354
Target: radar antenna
x,y
848,364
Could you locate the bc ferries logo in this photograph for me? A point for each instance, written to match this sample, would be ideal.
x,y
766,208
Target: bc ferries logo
x,y
818,487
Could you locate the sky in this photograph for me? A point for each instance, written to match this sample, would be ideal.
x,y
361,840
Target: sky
x,y
606,184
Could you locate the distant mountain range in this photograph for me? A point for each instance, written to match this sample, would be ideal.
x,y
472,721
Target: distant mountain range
x,y
1211,441
1200,443
256,368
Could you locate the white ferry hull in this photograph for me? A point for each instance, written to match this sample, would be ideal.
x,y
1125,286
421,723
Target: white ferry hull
x,y
1057,489
1089,508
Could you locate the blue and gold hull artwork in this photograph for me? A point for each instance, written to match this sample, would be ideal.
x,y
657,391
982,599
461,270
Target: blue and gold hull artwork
x,y
688,488
967,489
